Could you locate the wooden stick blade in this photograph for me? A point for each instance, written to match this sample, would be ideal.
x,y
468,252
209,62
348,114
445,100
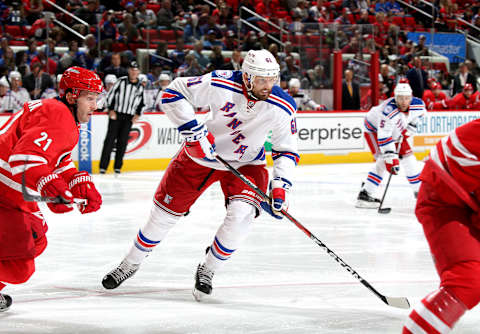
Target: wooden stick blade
x,y
399,302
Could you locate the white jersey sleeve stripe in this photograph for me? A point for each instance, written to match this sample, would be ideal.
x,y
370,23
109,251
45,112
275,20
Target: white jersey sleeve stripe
x,y
459,146
26,157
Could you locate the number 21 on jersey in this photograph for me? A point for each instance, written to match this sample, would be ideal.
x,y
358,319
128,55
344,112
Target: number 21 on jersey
x,y
43,142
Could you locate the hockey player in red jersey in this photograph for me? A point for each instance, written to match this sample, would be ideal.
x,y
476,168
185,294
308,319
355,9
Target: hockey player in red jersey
x,y
36,145
435,98
464,100
450,181
245,106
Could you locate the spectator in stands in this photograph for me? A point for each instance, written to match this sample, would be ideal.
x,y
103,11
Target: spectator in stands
x,y
190,68
108,29
301,97
344,17
161,58
88,12
387,80
316,11
229,41
146,18
318,79
16,96
3,45
421,49
37,81
381,6
224,17
127,30
350,92
21,63
363,17
49,65
393,8
50,50
417,78
273,48
191,30
462,78
251,42
352,46
33,10
198,53
178,55
263,40
465,99
216,57
39,28
211,40
8,60
209,26
235,63
116,67
4,86
32,49
165,16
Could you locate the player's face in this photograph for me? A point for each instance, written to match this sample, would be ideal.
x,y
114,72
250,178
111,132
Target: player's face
x,y
403,102
262,87
294,90
467,93
86,105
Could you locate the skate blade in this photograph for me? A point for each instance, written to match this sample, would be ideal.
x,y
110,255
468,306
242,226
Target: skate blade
x,y
367,205
199,295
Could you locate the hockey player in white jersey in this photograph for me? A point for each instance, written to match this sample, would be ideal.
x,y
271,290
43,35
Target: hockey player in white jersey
x,y
16,96
245,106
386,126
301,98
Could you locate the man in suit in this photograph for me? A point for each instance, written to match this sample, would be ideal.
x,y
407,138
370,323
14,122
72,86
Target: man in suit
x,y
417,78
350,92
463,77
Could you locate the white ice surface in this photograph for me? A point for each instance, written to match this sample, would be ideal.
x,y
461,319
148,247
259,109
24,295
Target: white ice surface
x,y
278,282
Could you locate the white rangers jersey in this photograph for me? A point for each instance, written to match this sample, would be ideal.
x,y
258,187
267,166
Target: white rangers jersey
x,y
240,125
14,100
389,122
304,101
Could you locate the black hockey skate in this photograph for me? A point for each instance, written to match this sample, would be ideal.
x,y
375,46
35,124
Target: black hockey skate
x,y
116,277
203,282
364,200
5,302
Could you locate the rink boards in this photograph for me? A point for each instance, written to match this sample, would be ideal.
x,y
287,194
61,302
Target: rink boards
x,y
323,137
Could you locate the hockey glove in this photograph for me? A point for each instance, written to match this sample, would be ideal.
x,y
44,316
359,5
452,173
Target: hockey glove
x,y
82,187
410,130
405,148
199,142
391,162
279,188
54,186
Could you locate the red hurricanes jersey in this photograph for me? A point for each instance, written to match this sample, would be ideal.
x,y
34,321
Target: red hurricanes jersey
x,y
37,140
434,102
460,102
459,154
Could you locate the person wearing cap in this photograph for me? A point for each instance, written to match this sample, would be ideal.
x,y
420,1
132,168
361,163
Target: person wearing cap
x,y
125,102
210,40
4,86
145,17
462,78
229,41
110,80
16,96
303,101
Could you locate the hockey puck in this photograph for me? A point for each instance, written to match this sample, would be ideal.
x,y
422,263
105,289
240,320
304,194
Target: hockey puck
x,y
384,210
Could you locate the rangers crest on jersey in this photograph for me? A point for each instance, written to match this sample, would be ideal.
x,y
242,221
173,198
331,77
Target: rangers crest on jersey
x,y
224,74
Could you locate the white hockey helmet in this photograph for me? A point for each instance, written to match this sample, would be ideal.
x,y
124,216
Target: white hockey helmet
x,y
110,78
260,63
14,75
402,89
294,83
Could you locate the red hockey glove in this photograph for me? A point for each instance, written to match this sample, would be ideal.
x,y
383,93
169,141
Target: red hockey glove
x,y
279,188
405,148
199,142
391,162
54,186
83,188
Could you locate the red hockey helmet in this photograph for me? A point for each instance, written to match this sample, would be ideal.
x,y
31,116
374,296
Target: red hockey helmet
x,y
78,79
468,86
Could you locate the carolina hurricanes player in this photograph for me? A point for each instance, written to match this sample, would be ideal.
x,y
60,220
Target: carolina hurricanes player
x,y
245,106
37,141
464,100
452,230
384,126
435,98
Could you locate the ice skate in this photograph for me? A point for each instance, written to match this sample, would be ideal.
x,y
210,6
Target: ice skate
x,y
116,277
5,302
364,200
203,282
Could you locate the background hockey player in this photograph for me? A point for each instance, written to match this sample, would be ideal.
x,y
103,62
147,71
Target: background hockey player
x,y
466,99
435,98
303,101
16,96
245,105
37,141
452,230
385,125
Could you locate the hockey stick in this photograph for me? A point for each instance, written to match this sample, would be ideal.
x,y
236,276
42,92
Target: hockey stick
x,y
387,210
35,198
400,302
454,186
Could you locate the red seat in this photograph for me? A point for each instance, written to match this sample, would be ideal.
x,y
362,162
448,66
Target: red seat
x,y
15,31
398,20
410,22
119,47
155,7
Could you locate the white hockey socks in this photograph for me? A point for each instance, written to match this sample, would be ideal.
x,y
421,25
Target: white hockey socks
x,y
375,177
412,170
154,231
231,233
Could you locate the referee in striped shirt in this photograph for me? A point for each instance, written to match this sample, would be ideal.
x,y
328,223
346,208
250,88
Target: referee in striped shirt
x,y
125,103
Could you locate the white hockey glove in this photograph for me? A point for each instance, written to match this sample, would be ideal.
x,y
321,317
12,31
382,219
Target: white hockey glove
x,y
391,162
411,129
199,142
279,188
